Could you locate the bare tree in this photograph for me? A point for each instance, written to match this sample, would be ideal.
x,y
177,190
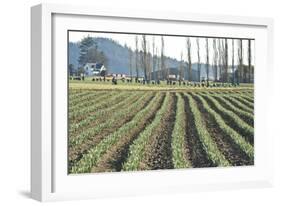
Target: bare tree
x,y
144,57
189,63
226,60
220,60
153,58
233,69
240,59
158,64
181,76
130,62
198,59
148,61
249,61
215,58
137,58
207,60
163,63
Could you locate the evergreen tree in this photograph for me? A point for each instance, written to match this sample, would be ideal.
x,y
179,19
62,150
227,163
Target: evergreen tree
x,y
85,45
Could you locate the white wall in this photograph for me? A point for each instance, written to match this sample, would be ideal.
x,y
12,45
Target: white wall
x,y
15,95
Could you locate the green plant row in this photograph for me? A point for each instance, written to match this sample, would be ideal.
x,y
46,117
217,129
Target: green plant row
x,y
89,100
99,104
232,93
178,137
237,138
231,115
244,101
111,122
235,109
85,100
74,94
106,113
83,96
248,98
90,159
209,145
137,149
240,104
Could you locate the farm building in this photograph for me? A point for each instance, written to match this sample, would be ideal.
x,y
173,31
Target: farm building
x,y
92,69
171,73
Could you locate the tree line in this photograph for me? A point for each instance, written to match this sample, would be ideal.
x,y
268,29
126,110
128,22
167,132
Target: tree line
x,y
152,62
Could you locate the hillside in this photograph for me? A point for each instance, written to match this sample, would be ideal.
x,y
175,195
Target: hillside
x,y
118,57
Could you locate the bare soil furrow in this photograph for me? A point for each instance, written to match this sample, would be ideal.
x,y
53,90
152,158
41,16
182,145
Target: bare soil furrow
x,y
196,153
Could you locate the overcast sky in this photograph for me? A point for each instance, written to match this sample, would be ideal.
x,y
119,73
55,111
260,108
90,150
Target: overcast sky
x,y
174,45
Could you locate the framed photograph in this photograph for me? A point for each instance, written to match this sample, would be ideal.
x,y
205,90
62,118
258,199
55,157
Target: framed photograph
x,y
137,102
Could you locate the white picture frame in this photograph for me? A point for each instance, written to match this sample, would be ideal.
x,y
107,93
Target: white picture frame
x,y
49,179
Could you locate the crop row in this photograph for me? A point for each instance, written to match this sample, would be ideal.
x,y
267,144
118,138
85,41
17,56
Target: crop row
x,y
246,116
100,103
104,114
137,149
230,117
92,157
208,144
180,159
85,101
92,136
154,130
236,137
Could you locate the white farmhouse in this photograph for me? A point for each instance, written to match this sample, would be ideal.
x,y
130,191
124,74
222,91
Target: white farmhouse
x,y
94,69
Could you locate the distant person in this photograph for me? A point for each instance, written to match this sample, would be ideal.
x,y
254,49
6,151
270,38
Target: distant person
x,y
114,81
82,76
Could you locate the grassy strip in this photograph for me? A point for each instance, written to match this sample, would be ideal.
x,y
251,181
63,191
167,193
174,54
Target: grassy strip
x,y
178,137
208,144
238,111
231,115
118,116
99,104
105,113
237,138
147,87
90,159
137,149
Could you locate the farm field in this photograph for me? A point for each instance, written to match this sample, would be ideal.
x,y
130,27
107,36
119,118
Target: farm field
x,y
137,127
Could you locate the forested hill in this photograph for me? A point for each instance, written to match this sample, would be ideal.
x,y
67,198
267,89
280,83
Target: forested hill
x,y
118,57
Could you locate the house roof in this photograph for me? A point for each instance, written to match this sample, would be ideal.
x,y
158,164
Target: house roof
x,y
97,65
